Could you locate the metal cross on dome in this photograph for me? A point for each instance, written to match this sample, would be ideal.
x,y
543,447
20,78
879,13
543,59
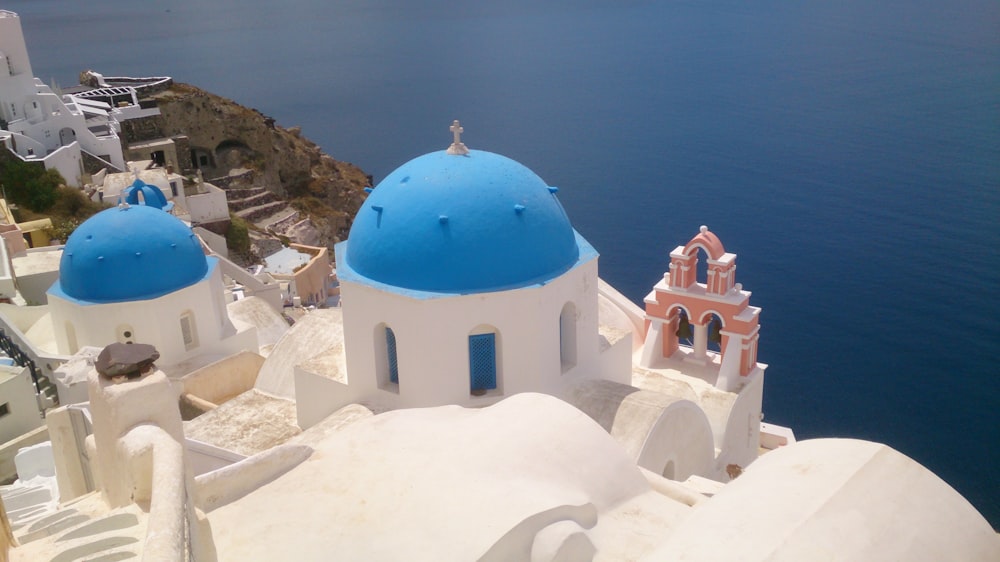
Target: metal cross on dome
x,y
457,147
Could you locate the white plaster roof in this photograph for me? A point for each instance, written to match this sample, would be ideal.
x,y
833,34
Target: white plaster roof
x,y
613,324
693,383
9,372
248,424
630,415
833,499
42,334
256,312
610,335
331,364
436,484
312,335
37,261
447,483
115,183
612,316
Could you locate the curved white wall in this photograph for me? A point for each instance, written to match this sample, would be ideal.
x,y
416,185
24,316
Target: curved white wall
x,y
432,340
154,321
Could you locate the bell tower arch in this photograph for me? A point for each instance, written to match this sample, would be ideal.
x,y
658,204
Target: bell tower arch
x,y
714,310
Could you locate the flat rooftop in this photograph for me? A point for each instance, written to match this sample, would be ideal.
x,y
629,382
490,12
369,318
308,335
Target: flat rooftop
x,y
285,260
248,424
38,260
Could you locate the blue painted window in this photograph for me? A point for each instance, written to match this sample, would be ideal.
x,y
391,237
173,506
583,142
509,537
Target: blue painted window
x,y
482,363
390,350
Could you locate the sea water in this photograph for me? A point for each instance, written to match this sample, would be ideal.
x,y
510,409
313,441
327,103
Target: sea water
x,y
848,151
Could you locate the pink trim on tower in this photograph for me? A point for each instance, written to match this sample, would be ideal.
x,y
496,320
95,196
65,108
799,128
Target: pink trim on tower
x,y
707,241
719,295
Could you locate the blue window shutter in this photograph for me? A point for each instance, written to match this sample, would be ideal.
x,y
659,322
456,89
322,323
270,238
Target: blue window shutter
x,y
390,349
482,362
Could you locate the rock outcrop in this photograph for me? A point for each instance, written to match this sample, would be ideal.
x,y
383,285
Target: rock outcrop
x,y
218,136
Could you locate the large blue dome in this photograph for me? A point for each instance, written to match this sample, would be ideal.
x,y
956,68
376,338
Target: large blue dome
x,y
461,224
129,253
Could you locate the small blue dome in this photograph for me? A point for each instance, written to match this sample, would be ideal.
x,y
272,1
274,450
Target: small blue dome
x,y
129,253
461,224
151,196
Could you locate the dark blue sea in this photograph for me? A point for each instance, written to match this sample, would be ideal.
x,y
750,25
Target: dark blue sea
x,y
848,151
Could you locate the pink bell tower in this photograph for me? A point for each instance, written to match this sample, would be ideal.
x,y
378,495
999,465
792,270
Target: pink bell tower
x,y
681,299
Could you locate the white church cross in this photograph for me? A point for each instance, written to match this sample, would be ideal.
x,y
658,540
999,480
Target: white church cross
x,y
457,146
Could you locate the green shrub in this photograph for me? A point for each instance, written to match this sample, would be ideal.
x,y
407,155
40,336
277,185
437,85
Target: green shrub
x,y
29,184
62,228
238,235
72,202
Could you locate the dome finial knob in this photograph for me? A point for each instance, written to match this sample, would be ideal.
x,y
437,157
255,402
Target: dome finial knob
x,y
457,147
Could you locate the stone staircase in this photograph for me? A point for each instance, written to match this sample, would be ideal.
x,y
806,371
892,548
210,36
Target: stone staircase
x,y
71,534
254,204
245,198
48,395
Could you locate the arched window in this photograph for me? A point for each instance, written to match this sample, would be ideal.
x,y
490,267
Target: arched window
x,y
483,362
684,332
386,360
189,330
567,337
701,265
715,327
390,350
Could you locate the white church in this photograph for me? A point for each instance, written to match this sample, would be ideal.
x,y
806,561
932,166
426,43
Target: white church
x,y
134,273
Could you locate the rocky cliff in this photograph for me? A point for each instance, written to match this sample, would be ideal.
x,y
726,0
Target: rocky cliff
x,y
220,137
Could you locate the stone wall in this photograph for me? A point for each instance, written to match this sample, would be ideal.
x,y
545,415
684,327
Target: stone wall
x,y
93,164
143,129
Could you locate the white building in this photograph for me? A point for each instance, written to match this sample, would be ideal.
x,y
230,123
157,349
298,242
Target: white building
x,y
18,408
38,125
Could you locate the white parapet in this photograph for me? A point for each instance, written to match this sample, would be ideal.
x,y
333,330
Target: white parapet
x,y
773,436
